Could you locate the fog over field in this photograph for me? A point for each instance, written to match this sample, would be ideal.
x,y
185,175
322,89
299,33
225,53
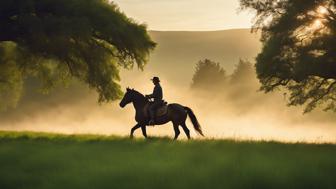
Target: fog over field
x,y
233,111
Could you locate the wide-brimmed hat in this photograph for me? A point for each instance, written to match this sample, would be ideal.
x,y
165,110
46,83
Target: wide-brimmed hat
x,y
156,79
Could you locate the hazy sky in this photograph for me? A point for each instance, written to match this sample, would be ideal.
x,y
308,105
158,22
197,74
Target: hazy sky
x,y
186,14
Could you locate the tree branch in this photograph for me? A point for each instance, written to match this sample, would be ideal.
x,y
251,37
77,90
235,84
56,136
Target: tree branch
x,y
330,87
70,68
324,93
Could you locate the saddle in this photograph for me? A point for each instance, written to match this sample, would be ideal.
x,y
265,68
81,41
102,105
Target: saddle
x,y
160,111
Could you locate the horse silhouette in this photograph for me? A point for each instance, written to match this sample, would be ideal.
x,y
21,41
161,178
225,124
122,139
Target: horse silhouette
x,y
176,113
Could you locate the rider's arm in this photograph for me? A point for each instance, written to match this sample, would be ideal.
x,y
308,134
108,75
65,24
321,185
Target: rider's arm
x,y
154,94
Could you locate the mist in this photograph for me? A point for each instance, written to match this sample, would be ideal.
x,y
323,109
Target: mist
x,y
232,111
252,115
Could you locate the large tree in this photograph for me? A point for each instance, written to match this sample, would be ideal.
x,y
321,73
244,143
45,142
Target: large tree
x,y
299,49
59,40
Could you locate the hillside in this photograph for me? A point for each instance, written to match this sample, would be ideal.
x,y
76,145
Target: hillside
x,y
33,161
178,51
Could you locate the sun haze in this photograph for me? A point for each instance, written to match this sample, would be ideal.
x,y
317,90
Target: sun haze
x,y
190,15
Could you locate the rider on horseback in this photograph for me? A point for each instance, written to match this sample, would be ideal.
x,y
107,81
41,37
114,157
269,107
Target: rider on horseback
x,y
157,96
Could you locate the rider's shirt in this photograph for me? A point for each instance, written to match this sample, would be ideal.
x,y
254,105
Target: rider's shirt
x,y
157,93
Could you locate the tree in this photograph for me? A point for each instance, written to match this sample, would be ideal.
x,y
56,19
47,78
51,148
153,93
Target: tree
x,y
243,73
60,40
298,51
208,75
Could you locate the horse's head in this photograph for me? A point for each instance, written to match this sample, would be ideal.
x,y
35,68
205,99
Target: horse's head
x,y
128,98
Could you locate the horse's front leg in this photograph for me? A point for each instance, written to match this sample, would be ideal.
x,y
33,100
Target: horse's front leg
x,y
143,128
137,126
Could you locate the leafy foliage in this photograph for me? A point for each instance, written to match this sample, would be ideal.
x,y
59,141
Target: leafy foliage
x,y
208,75
242,73
298,52
57,40
11,78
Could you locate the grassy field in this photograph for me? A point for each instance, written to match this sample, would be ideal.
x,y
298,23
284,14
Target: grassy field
x,y
33,160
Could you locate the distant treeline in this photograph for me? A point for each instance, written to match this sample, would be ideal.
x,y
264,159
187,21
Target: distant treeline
x,y
209,76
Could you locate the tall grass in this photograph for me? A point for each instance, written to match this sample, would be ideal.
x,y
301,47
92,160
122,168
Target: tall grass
x,y
40,160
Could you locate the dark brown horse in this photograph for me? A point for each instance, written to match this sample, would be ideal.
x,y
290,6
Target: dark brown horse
x,y
176,113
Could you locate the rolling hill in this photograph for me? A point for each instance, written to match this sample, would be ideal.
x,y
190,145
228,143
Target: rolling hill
x,y
177,52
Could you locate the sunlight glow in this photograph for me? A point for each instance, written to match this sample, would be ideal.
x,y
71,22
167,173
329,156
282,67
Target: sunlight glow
x,y
322,10
317,24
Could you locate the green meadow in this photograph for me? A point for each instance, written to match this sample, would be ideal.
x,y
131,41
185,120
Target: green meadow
x,y
41,160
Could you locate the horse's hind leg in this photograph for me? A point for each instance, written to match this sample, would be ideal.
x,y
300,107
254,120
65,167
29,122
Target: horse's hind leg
x,y
177,130
186,130
137,126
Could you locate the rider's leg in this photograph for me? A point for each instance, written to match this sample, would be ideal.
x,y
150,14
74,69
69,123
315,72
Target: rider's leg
x,y
152,112
151,115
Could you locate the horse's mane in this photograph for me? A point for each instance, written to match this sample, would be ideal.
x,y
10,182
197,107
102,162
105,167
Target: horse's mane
x,y
137,93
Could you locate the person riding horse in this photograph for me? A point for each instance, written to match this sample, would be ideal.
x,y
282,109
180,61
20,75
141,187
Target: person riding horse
x,y
176,113
157,96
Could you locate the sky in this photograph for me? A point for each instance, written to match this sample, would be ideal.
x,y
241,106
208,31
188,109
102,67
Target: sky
x,y
187,15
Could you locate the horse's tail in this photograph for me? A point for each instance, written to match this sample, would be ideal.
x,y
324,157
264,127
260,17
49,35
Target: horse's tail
x,y
194,120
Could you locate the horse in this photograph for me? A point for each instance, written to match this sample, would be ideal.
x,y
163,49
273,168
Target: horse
x,y
176,113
